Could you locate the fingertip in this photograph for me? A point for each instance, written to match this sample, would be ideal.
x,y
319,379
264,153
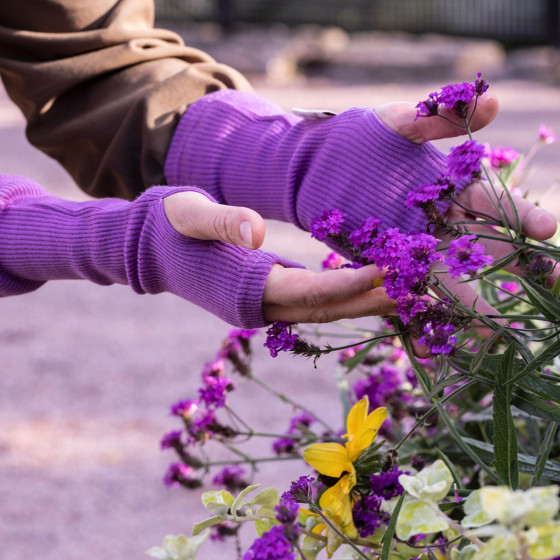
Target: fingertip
x,y
541,224
251,229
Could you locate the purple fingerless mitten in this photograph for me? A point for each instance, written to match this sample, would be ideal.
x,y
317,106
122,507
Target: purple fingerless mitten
x,y
245,151
115,241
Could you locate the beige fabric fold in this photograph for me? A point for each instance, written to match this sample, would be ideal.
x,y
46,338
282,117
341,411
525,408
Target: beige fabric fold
x,y
101,89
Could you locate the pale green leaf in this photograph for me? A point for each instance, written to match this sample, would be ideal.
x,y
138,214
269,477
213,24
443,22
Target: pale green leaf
x,y
546,543
417,518
178,548
238,502
217,502
475,515
500,547
267,497
198,527
431,484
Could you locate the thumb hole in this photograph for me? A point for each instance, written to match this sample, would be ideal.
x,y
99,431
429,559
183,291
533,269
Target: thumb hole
x,y
194,215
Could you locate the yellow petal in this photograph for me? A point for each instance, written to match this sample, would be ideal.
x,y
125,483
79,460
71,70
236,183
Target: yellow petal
x,y
366,433
357,415
330,459
336,503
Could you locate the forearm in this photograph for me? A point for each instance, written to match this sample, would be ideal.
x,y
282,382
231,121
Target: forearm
x,y
245,150
114,241
101,89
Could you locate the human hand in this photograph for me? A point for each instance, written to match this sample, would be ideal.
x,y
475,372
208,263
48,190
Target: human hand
x,y
478,200
291,294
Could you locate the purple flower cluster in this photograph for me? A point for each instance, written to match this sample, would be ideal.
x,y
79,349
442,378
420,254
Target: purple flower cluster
x,y
272,545
368,513
327,224
366,233
465,256
236,348
279,338
407,259
457,97
501,157
298,426
333,261
439,338
179,474
464,162
430,192
231,477
300,490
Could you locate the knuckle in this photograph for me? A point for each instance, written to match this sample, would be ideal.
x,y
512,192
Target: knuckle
x,y
222,226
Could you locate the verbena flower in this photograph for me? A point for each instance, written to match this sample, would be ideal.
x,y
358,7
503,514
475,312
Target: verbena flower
x,y
298,424
185,408
337,461
328,223
368,515
272,545
501,157
300,490
465,256
464,162
232,478
171,440
179,474
287,511
429,107
546,135
214,391
386,484
333,261
429,193
365,233
279,338
539,268
438,338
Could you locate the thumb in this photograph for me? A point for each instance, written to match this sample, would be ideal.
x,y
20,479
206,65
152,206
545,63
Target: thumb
x,y
401,118
194,215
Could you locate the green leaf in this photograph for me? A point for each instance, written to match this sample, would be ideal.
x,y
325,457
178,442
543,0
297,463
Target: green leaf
x,y
417,518
504,433
311,547
199,527
263,525
526,462
464,443
390,532
267,497
545,357
542,387
178,548
217,502
238,502
543,300
535,406
421,374
475,516
544,452
547,542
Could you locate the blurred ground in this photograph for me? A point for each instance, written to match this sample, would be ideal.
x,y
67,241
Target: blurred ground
x,y
89,372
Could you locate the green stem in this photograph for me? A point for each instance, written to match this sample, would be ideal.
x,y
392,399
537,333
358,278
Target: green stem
x,y
289,401
348,541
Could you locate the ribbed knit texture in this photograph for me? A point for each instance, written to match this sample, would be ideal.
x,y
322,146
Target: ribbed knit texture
x,y
244,150
115,241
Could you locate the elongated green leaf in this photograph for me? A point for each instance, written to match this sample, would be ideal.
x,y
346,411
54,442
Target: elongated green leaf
x,y
483,351
359,356
505,436
545,357
544,452
542,387
543,300
463,443
390,532
501,263
421,374
527,463
535,406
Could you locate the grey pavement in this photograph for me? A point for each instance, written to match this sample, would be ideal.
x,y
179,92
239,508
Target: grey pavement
x,y
88,372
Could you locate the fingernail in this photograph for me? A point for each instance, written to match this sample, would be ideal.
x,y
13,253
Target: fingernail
x,y
246,234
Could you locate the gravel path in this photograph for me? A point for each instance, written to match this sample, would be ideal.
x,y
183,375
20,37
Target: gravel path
x,y
89,371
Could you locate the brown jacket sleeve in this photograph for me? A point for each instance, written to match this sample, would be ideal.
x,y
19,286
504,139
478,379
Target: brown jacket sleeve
x,y
100,88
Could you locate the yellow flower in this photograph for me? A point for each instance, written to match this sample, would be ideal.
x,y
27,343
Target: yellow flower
x,y
335,460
